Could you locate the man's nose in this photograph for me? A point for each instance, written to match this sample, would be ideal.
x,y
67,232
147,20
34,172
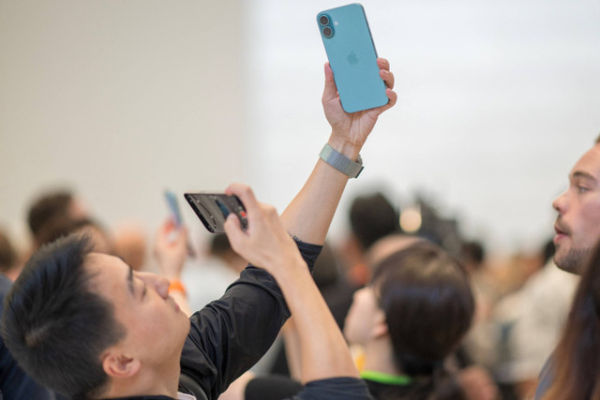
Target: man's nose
x,y
560,203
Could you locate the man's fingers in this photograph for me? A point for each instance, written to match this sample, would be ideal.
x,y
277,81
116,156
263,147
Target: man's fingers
x,y
330,90
388,78
233,230
393,96
245,194
383,63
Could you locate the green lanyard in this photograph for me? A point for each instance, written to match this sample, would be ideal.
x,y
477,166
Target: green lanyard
x,y
388,379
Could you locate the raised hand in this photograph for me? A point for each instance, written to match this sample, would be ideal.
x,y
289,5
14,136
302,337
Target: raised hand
x,y
349,131
265,243
170,249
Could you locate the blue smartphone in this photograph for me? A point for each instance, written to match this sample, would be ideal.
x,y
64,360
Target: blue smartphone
x,y
173,205
352,56
175,212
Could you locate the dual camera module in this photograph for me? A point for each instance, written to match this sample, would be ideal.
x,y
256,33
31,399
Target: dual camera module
x,y
326,26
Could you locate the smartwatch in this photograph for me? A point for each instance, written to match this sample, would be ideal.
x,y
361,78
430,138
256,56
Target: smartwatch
x,y
340,162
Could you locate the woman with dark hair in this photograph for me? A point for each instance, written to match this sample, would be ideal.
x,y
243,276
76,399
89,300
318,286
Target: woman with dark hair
x,y
411,317
575,364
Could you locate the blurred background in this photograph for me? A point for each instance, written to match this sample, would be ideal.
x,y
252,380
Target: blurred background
x,y
119,100
106,104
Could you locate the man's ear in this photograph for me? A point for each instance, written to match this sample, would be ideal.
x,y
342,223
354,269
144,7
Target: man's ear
x,y
118,365
380,327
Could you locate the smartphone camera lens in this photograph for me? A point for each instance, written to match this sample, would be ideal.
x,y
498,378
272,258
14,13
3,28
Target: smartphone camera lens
x,y
323,19
328,32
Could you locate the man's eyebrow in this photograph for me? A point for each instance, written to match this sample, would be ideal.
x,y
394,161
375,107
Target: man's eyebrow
x,y
130,281
583,174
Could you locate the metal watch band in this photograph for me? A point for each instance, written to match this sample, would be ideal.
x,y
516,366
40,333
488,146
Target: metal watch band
x,y
341,162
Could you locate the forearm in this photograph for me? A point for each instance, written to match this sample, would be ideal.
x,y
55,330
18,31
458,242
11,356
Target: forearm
x,y
292,348
323,350
230,335
309,214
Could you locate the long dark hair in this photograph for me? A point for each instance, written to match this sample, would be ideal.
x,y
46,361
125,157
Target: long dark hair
x,y
576,360
428,303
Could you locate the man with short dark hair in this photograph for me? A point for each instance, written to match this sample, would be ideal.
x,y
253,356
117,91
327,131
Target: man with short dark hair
x,y
86,324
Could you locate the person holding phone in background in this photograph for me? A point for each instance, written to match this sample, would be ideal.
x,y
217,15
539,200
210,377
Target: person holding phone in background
x,y
118,334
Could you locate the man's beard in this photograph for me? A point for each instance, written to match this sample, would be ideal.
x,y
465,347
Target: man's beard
x,y
574,260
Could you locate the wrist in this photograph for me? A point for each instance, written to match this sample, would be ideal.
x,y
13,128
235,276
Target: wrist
x,y
344,146
290,271
342,163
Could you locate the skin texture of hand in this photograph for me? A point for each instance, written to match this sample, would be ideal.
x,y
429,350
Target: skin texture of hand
x,y
349,131
265,243
170,249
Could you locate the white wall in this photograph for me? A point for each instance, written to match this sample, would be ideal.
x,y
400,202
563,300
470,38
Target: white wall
x,y
124,98
497,100
119,99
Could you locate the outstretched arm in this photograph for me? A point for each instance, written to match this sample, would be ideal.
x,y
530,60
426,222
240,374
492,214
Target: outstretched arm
x,y
309,214
324,353
218,350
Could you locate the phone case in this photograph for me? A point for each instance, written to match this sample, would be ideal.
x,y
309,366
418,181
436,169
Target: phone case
x,y
353,58
213,209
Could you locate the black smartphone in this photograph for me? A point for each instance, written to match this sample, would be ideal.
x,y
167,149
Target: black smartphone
x,y
213,209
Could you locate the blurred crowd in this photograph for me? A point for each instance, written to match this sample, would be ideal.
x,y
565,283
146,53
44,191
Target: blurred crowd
x,y
520,302
402,307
